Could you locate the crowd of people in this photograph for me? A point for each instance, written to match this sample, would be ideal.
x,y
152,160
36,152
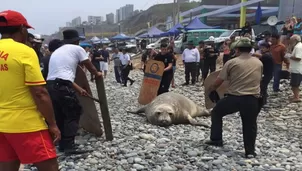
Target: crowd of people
x,y
249,67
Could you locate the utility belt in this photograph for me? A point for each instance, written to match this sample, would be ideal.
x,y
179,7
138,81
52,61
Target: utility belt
x,y
63,91
60,81
61,85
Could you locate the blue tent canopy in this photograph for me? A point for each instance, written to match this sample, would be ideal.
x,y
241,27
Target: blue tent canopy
x,y
174,30
121,37
152,33
84,44
197,24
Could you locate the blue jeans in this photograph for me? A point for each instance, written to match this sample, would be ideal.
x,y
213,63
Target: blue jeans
x,y
277,71
117,72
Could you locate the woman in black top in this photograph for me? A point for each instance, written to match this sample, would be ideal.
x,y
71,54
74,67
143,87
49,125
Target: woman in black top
x,y
95,60
171,50
246,29
144,59
287,32
167,59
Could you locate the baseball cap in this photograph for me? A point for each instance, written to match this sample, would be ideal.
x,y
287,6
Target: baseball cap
x,y
13,18
38,38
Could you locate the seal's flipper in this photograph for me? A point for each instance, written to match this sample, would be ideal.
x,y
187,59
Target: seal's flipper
x,y
202,112
139,111
195,123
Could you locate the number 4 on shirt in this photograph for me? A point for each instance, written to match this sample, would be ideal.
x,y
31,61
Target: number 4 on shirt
x,y
3,55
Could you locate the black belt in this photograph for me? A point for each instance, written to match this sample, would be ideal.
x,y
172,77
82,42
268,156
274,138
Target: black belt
x,y
240,96
60,82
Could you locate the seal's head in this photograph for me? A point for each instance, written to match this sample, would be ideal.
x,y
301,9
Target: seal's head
x,y
163,115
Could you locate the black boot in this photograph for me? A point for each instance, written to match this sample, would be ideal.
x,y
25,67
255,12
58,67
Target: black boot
x,y
125,83
131,82
73,150
185,84
218,143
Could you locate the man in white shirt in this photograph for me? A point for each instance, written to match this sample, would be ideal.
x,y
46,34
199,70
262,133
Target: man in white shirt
x,y
295,67
126,67
190,58
62,89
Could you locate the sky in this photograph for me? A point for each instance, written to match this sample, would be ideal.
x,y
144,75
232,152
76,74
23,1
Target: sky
x,y
46,16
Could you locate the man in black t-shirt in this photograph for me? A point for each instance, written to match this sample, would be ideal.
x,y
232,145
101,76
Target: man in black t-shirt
x,y
52,46
104,62
211,54
268,69
143,44
95,60
167,59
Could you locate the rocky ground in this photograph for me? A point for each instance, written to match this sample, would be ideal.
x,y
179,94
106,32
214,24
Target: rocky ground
x,y
138,145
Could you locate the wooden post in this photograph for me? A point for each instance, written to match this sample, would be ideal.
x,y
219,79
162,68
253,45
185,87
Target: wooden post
x,y
104,108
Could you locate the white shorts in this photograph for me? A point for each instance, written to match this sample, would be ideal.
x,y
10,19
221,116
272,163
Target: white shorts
x,y
103,66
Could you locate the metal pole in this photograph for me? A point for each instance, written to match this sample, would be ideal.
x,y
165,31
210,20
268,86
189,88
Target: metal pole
x,y
294,7
104,108
178,10
174,10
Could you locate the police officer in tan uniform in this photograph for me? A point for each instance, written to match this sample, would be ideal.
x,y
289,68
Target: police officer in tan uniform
x,y
244,75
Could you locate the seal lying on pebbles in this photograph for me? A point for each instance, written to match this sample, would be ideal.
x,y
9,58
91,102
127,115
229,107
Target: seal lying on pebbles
x,y
171,108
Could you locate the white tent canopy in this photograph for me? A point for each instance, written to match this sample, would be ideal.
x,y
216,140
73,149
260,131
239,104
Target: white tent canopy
x,y
95,39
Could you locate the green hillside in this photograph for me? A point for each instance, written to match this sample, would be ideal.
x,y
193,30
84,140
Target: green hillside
x,y
155,14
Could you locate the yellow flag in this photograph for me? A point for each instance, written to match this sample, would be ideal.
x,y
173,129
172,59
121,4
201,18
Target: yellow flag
x,y
243,14
180,19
